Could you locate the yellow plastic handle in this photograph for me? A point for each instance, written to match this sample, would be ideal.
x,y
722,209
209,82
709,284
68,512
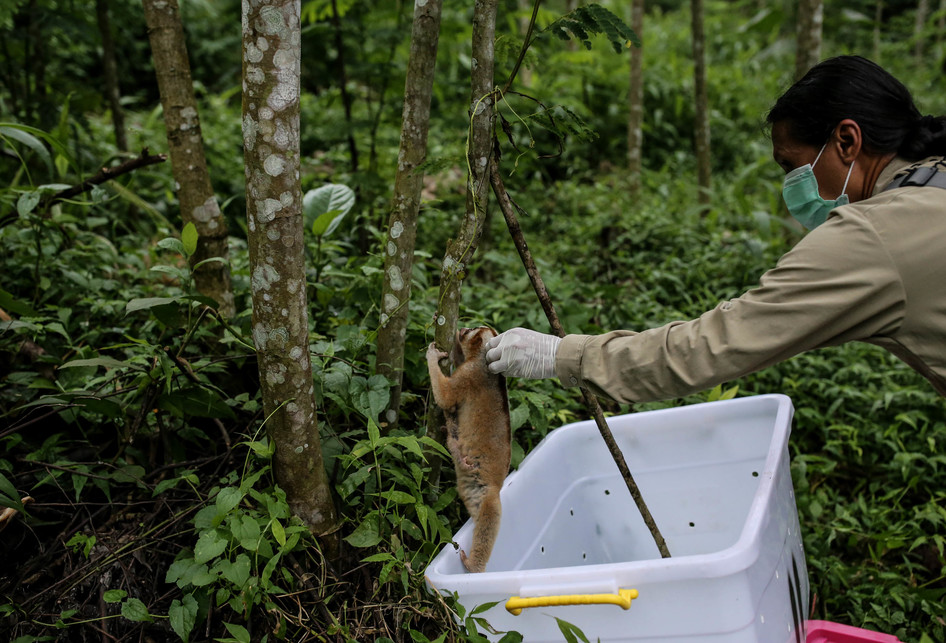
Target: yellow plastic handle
x,y
623,598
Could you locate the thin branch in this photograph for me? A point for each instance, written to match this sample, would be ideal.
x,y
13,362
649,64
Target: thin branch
x,y
506,205
107,174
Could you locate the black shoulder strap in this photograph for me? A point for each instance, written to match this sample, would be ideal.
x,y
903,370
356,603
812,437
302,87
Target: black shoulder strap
x,y
918,177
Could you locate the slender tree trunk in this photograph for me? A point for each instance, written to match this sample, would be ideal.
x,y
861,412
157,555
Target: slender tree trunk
x,y
110,71
186,149
343,85
479,157
878,20
922,13
271,67
702,129
808,36
635,101
408,183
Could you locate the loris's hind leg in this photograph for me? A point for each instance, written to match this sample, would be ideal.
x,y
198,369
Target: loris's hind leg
x,y
485,530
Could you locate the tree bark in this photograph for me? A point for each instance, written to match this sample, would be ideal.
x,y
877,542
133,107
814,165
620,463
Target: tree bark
x,y
186,150
110,72
635,104
808,36
408,183
479,156
271,67
702,129
922,13
878,19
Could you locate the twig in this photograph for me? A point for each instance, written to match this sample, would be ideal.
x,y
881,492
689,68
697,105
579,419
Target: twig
x,y
506,205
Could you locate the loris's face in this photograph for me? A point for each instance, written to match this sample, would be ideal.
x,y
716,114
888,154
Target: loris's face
x,y
470,342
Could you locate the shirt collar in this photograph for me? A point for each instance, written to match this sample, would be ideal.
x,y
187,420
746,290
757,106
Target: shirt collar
x,y
888,173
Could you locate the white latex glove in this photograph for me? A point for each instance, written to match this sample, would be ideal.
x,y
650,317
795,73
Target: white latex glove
x,y
520,352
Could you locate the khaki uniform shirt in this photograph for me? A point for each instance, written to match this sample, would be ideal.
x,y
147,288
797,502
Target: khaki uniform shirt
x,y
875,272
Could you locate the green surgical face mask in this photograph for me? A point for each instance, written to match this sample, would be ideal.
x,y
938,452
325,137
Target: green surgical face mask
x,y
800,191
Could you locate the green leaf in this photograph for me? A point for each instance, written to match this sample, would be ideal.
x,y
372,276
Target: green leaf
x,y
571,632
183,616
114,596
279,533
227,499
170,243
21,134
134,610
145,303
209,545
107,362
195,402
238,632
189,239
324,207
28,202
398,497
366,534
8,495
8,303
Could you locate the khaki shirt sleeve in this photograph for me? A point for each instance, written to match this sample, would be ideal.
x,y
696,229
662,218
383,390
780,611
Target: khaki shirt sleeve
x,y
837,285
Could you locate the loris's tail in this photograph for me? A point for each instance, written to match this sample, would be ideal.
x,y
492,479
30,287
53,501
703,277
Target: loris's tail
x,y
485,530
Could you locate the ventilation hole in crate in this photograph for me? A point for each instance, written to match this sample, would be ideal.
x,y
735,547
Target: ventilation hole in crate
x,y
584,555
755,474
542,549
607,492
571,512
693,524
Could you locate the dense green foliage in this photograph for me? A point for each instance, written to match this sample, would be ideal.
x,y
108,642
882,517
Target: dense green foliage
x,y
130,412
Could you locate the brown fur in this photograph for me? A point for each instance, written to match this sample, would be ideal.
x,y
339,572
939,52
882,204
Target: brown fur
x,y
476,407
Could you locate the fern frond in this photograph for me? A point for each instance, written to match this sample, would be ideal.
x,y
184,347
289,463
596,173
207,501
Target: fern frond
x,y
593,19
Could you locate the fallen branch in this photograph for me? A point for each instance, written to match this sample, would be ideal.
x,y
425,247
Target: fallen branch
x,y
506,205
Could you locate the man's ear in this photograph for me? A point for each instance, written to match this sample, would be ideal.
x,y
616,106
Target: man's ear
x,y
848,137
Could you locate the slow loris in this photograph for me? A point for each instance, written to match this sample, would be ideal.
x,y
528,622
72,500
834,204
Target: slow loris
x,y
476,408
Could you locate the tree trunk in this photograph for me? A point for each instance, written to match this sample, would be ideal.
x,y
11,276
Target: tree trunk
x,y
408,183
635,104
922,13
186,150
702,130
878,20
479,157
271,68
110,72
808,47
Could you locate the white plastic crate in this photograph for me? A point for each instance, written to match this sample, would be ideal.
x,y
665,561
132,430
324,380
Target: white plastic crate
x,y
716,479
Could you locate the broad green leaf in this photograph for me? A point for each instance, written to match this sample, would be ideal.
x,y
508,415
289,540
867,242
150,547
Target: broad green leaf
x,y
8,494
366,534
114,595
183,616
107,362
170,243
227,499
22,135
134,610
9,304
28,202
189,239
209,545
278,532
145,303
398,497
238,632
324,207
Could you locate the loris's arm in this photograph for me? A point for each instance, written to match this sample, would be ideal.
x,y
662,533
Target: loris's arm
x,y
440,385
